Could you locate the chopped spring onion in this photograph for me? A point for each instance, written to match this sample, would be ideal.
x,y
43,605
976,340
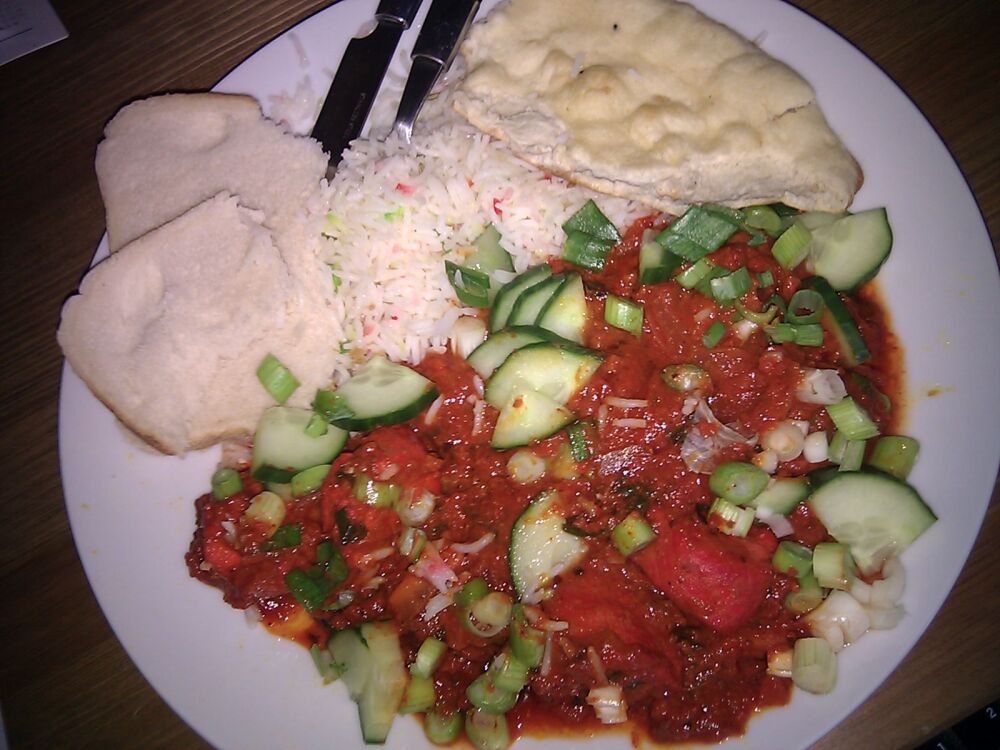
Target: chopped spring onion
x,y
472,591
379,494
266,508
419,695
760,318
809,334
632,534
656,263
226,483
765,279
485,695
686,378
327,667
411,543
283,537
704,287
815,449
316,426
805,306
853,455
527,644
699,231
838,444
852,420
814,665
589,219
690,277
311,587
833,565
738,482
488,615
309,480
792,559
277,379
471,287
487,731
792,247
894,454
442,729
428,657
349,531
623,314
510,673
415,506
732,286
578,444
714,334
808,596
730,518
609,704
762,217
585,250
785,439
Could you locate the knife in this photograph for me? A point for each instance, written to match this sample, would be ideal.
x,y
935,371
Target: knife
x,y
444,27
359,77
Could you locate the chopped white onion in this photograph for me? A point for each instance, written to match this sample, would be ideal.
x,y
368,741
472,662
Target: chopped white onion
x,y
525,467
436,604
432,569
816,448
766,461
609,704
802,424
416,507
821,387
840,620
700,451
779,663
889,589
780,525
476,546
466,334
690,404
785,439
884,618
744,329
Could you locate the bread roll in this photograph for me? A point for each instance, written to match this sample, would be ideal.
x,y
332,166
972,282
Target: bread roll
x,y
168,331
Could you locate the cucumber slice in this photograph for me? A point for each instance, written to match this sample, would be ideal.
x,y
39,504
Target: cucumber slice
x,y
539,548
875,514
351,654
526,417
848,251
550,369
509,293
383,693
281,447
533,300
489,257
782,495
838,321
565,313
380,393
490,354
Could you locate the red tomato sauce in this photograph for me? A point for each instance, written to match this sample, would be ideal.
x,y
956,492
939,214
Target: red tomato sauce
x,y
684,626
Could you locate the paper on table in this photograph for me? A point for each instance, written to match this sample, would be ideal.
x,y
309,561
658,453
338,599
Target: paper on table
x,y
27,25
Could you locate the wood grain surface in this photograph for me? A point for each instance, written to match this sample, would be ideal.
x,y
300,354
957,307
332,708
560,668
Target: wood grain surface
x,y
65,681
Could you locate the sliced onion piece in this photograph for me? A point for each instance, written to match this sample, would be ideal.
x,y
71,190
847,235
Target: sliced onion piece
x,y
821,387
840,620
609,704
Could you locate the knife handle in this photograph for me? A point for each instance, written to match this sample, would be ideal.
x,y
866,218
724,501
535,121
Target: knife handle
x,y
443,28
401,12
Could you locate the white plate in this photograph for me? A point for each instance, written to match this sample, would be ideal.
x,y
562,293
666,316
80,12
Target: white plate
x,y
132,511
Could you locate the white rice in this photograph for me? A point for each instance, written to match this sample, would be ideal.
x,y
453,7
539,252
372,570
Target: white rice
x,y
396,211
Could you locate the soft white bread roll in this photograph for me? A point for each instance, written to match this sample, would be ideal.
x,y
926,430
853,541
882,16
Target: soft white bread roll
x,y
161,156
168,332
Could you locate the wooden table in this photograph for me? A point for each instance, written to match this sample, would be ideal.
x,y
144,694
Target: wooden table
x,y
65,681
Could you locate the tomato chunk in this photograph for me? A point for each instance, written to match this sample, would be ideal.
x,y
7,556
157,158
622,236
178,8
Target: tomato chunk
x,y
717,579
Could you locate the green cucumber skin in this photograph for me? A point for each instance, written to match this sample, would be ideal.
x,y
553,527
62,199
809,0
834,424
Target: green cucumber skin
x,y
363,424
533,300
847,502
848,262
509,293
483,359
838,321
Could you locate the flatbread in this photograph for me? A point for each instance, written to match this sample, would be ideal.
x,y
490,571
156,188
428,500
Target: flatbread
x,y
654,101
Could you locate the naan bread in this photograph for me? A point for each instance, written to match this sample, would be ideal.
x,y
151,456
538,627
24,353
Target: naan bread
x,y
652,100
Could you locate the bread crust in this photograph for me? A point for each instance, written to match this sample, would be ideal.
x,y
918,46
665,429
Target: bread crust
x,y
653,101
